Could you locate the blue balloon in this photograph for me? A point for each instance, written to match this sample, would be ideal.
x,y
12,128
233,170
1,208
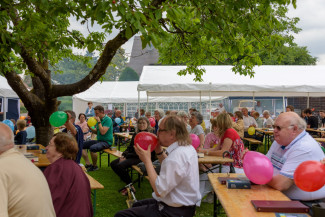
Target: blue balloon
x,y
9,124
117,120
30,132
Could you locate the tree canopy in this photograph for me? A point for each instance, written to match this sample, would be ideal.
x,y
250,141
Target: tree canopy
x,y
36,34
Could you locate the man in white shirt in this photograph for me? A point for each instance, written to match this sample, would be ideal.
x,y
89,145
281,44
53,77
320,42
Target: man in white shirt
x,y
292,146
248,120
24,191
268,121
176,189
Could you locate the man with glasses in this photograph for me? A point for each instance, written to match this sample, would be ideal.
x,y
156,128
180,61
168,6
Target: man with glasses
x,y
176,189
292,146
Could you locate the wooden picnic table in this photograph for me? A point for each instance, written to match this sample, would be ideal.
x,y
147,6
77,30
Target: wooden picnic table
x,y
237,202
122,136
42,159
267,133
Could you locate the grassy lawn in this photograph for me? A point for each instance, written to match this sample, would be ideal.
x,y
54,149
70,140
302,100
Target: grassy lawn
x,y
109,201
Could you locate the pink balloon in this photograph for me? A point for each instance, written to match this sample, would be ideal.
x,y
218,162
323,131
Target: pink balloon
x,y
195,141
257,167
152,122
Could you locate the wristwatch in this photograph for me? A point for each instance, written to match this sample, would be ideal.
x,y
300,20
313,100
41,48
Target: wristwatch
x,y
99,122
160,153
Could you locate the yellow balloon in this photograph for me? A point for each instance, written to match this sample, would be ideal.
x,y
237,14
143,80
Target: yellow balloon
x,y
92,121
251,131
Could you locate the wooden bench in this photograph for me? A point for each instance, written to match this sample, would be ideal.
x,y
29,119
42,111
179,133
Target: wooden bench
x,y
94,185
252,141
140,174
109,152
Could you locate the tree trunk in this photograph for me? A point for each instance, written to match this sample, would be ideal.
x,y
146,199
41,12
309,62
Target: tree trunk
x,y
40,115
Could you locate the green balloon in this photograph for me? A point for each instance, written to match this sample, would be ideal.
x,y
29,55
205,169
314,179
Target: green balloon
x,y
58,118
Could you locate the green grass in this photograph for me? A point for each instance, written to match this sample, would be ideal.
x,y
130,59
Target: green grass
x,y
109,201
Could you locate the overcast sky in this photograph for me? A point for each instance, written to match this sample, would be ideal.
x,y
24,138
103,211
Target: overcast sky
x,y
312,23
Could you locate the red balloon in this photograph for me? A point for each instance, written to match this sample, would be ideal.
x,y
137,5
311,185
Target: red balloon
x,y
310,175
144,139
152,122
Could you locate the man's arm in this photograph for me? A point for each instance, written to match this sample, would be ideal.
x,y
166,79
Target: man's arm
x,y
280,182
102,129
70,126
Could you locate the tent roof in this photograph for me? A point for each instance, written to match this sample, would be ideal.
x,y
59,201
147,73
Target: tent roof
x,y
222,81
124,92
5,89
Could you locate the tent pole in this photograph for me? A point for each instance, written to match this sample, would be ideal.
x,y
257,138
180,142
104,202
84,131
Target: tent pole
x,y
254,107
210,110
147,107
200,102
308,100
283,103
210,106
139,103
5,108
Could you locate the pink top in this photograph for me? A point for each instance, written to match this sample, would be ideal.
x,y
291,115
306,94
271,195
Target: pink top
x,y
84,128
236,148
210,140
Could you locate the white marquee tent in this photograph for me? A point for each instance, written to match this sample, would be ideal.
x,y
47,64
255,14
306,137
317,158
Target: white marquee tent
x,y
273,81
108,92
7,94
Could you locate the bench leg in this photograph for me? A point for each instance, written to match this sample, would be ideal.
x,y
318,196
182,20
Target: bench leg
x,y
94,201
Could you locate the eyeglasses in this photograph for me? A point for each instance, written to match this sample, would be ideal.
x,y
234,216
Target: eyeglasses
x,y
280,128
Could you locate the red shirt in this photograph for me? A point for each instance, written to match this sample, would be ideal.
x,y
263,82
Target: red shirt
x,y
236,148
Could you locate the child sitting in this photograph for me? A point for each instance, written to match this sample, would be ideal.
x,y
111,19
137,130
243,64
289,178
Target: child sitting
x,y
21,136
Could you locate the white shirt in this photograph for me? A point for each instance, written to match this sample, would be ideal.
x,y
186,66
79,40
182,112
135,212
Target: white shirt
x,y
178,182
268,122
286,159
248,121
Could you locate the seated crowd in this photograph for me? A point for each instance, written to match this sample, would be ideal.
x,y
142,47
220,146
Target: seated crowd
x,y
175,194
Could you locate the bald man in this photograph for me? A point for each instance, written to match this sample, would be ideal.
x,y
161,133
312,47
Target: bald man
x,y
292,146
23,188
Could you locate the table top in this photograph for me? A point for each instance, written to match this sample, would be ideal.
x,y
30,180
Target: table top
x,y
265,130
125,125
214,160
237,202
42,159
315,130
124,135
320,139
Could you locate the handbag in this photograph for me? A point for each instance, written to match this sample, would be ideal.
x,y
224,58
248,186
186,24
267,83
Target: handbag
x,y
231,166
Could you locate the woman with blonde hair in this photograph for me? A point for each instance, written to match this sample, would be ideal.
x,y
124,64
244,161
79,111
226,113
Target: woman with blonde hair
x,y
231,142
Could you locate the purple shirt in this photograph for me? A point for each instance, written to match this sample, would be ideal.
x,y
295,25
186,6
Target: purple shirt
x,y
70,189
